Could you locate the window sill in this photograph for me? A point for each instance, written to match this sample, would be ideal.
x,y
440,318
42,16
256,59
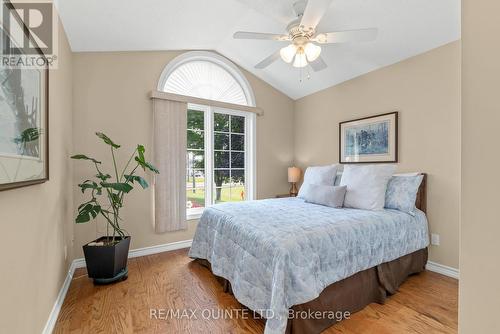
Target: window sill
x,y
193,216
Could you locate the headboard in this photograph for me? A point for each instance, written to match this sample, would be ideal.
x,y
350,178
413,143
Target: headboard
x,y
421,201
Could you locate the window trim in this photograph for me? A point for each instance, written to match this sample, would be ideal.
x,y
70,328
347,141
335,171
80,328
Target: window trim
x,y
214,58
250,161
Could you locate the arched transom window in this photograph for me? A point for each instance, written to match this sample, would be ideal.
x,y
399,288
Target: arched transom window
x,y
206,75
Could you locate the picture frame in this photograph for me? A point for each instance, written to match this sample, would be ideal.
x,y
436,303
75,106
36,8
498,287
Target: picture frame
x,y
372,139
24,121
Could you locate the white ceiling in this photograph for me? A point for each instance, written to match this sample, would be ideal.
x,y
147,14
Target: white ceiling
x,y
406,28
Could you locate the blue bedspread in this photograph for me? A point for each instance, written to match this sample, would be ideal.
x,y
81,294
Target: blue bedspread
x,y
282,252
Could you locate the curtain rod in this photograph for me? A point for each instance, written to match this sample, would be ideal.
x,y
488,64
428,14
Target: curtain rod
x,y
155,94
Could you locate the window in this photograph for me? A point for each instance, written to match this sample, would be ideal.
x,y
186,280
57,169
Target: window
x,y
219,157
220,142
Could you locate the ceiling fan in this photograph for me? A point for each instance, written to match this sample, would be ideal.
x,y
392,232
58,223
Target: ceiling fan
x,y
304,49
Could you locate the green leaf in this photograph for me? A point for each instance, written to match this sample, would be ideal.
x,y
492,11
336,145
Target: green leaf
x,y
152,168
140,151
87,208
147,165
131,178
84,157
95,210
119,186
86,211
141,160
82,217
90,185
82,205
107,140
103,177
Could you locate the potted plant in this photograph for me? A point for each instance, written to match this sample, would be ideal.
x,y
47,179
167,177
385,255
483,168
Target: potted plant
x,y
106,257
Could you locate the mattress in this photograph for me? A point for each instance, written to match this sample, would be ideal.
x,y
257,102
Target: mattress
x,y
282,252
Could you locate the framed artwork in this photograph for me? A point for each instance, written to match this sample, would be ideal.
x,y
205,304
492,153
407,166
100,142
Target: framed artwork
x,y
24,133
371,139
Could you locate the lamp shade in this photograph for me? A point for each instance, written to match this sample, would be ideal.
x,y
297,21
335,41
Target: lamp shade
x,y
312,51
287,53
300,59
293,174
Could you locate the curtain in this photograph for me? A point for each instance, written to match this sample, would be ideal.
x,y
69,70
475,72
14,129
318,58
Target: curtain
x,y
170,122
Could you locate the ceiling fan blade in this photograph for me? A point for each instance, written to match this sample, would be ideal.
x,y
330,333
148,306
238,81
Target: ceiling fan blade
x,y
360,35
268,61
318,65
260,35
315,10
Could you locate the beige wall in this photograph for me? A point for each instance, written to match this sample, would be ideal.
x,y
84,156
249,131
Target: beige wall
x,y
36,221
111,95
479,300
426,91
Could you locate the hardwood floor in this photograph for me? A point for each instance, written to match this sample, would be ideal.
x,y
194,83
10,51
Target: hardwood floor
x,y
426,303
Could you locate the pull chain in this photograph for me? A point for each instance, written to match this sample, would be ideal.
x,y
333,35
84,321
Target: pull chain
x,y
308,75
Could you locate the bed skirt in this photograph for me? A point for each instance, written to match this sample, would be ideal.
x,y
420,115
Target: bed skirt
x,y
351,294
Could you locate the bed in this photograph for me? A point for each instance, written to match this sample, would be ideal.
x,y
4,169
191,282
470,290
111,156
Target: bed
x,y
283,256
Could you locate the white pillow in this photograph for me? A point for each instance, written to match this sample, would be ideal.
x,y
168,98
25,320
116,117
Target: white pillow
x,y
366,185
324,195
320,175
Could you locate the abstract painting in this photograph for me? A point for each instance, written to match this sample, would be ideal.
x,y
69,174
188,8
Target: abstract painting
x,y
23,116
370,139
23,123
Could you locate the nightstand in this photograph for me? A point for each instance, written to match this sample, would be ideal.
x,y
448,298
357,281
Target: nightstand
x,y
284,195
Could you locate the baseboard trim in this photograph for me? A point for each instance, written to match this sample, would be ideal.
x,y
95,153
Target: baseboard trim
x,y
160,248
80,263
443,270
54,313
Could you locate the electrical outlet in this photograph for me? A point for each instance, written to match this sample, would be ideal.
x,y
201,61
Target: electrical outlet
x,y
435,239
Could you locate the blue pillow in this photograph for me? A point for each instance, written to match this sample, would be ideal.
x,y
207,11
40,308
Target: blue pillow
x,y
402,192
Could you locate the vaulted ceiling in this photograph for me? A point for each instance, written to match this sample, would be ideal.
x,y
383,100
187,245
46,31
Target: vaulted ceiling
x,y
406,28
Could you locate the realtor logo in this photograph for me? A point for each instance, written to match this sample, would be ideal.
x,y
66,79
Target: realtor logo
x,y
29,33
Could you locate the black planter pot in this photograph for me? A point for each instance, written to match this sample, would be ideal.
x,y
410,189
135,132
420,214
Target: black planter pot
x,y
106,264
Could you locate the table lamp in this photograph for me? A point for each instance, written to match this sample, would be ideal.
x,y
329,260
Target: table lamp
x,y
293,178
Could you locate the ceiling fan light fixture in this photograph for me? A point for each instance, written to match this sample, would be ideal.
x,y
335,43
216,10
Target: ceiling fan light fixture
x,y
288,52
300,59
312,51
